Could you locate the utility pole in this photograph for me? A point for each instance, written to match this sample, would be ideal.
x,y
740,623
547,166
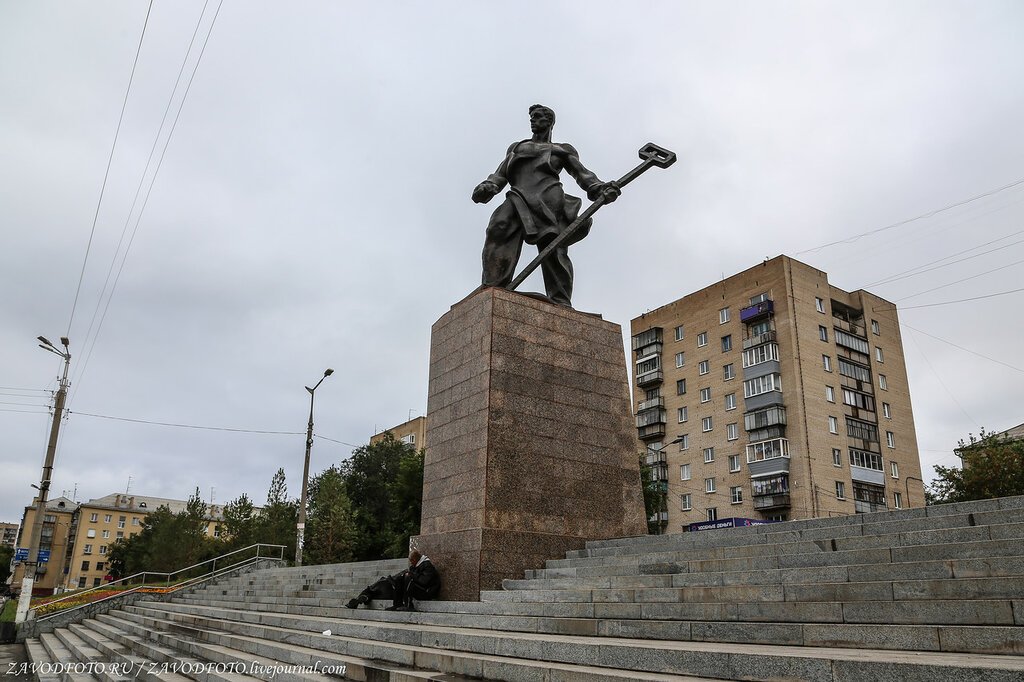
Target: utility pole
x,y
25,598
300,527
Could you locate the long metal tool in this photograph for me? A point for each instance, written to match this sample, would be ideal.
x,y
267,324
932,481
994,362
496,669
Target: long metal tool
x,y
652,156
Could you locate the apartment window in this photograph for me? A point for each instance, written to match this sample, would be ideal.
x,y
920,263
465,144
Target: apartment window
x,y
736,494
709,485
878,354
886,410
712,514
758,354
859,400
732,431
823,333
826,362
91,533
874,328
680,386
840,490
96,582
107,518
684,472
120,534
854,371
734,463
679,333
705,424
99,565
763,384
882,383
894,469
682,414
81,582
890,439
866,460
103,549
106,533
120,521
85,565
819,305
685,502
680,359
684,442
837,457
93,517
723,315
704,367
729,372
709,455
727,343
87,549
730,401
862,430
833,425
830,394
897,500
705,395
702,339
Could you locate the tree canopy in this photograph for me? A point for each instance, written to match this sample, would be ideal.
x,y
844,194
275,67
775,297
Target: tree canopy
x,y
993,466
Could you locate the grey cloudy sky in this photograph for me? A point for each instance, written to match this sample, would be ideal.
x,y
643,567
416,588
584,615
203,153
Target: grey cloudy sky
x,y
313,210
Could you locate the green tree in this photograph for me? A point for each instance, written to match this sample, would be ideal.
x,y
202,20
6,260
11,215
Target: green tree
x,y
6,554
277,521
993,466
654,498
384,482
330,528
241,521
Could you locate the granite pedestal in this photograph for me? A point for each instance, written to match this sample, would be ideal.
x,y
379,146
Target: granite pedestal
x,y
531,446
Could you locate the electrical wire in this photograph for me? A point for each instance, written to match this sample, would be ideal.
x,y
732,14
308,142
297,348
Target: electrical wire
x,y
941,382
188,426
90,340
963,300
965,279
149,191
353,445
966,350
106,173
909,273
929,214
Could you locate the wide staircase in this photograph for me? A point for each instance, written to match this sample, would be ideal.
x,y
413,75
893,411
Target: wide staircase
x,y
933,594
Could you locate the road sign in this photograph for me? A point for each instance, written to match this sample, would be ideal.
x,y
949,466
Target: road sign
x,y
44,556
21,554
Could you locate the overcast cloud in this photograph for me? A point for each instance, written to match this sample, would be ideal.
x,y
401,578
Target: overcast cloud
x,y
313,209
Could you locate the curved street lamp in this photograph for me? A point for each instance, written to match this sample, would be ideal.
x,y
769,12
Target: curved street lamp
x,y
300,526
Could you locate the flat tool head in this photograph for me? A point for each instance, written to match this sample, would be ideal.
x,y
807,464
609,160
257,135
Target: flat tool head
x,y
658,156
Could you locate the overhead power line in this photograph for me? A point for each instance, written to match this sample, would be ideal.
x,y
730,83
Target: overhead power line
x,y
966,350
106,173
921,269
929,214
353,445
962,300
189,426
965,279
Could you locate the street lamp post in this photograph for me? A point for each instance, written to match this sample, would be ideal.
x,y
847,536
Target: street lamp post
x,y
301,525
31,566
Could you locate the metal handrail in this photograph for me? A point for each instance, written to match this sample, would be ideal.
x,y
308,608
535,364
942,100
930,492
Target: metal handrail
x,y
167,576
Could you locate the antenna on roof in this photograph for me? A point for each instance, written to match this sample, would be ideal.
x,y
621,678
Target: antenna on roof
x,y
128,487
211,495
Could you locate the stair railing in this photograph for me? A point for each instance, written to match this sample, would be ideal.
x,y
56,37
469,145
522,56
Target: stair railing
x,y
168,578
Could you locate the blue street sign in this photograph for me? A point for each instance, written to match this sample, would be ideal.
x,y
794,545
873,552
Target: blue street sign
x,y
21,554
44,556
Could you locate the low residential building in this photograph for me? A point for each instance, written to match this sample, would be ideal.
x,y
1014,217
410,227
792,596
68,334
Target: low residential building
x,y
8,534
775,395
412,432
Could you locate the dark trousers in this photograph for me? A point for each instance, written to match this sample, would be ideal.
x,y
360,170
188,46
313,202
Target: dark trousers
x,y
503,245
400,589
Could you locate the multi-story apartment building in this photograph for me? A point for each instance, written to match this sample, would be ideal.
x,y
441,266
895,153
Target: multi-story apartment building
x,y
53,537
775,395
8,534
100,522
412,432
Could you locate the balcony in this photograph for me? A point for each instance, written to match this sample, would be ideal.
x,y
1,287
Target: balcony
x,y
766,502
862,507
647,338
652,431
658,517
650,378
657,415
758,339
655,457
652,403
756,311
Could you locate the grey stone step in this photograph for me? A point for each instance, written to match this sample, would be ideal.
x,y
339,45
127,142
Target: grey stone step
x,y
727,661
62,660
380,625
305,648
104,669
39,656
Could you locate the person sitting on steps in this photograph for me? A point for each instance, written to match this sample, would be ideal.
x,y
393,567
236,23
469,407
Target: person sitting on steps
x,y
420,581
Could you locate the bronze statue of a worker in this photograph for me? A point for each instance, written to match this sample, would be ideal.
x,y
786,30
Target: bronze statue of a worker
x,y
536,209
